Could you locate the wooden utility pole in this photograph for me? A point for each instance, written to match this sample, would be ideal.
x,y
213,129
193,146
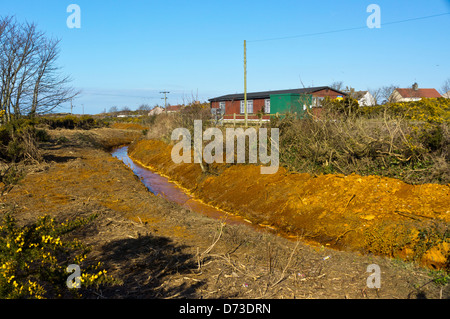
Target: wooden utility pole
x,y
245,83
165,100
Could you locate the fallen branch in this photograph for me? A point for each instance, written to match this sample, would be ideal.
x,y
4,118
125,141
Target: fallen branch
x,y
208,250
282,277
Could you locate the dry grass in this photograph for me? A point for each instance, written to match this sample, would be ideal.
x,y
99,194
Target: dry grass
x,y
386,146
163,124
105,138
128,126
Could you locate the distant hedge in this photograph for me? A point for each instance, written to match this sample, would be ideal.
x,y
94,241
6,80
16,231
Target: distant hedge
x,y
84,122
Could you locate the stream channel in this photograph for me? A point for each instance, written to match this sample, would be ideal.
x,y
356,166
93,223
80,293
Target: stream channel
x,y
161,186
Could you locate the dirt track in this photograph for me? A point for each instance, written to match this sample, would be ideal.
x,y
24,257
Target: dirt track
x,y
160,250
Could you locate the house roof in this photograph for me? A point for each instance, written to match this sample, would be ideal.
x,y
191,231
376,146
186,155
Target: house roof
x,y
422,93
174,108
359,94
267,94
156,110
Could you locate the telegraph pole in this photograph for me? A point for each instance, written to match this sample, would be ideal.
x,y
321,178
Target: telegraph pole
x,y
245,82
165,99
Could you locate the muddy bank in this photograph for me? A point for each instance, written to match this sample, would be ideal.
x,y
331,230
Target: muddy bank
x,y
361,213
161,186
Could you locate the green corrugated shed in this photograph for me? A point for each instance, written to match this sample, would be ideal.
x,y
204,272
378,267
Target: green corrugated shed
x,y
291,102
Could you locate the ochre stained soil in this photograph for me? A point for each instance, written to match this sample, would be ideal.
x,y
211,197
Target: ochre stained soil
x,y
159,249
360,213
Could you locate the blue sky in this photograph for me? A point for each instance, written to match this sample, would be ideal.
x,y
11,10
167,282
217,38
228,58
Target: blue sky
x,y
127,51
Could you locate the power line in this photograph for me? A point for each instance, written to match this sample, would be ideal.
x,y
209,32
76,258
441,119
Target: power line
x,y
120,95
348,29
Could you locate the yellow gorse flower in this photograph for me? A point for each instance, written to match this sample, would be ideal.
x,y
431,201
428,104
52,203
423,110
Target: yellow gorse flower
x,y
25,254
47,239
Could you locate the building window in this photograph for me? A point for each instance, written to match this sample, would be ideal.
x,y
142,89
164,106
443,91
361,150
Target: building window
x,y
222,107
267,106
317,101
249,106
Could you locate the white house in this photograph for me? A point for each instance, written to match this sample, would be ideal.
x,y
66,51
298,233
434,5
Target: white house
x,y
446,95
413,94
156,110
364,98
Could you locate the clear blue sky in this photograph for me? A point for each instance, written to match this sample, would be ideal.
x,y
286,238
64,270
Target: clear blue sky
x,y
127,51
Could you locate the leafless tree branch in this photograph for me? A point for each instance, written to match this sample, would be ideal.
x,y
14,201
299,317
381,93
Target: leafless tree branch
x,y
31,81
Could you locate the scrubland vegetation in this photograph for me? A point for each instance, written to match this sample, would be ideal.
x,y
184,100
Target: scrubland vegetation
x,y
34,256
409,141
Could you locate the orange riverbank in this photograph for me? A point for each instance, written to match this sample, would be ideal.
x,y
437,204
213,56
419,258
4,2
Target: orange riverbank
x,y
362,213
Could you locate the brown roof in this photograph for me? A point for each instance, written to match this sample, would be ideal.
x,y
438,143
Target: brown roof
x,y
267,94
174,108
423,93
359,94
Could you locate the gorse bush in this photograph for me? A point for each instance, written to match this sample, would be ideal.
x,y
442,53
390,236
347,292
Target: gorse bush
x,y
34,258
9,176
425,110
19,141
384,141
84,122
342,108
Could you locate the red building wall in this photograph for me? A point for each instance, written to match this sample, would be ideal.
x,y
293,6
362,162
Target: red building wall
x,y
235,106
258,104
327,92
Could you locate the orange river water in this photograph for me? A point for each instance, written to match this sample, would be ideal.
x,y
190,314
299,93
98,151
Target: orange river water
x,y
161,186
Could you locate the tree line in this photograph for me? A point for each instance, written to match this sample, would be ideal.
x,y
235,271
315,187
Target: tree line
x,y
31,81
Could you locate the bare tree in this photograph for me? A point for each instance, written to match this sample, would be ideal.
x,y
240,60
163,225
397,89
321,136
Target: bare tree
x,y
445,88
9,55
337,85
385,93
50,87
25,69
144,108
376,93
113,109
31,82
